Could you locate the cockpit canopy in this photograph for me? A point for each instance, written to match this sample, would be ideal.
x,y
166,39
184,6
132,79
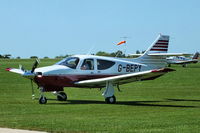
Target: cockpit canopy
x,y
70,62
87,63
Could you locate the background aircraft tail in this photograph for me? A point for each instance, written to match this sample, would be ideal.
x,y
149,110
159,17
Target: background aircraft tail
x,y
159,46
196,55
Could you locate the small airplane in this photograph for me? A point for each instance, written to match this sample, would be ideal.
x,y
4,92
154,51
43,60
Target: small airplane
x,y
182,60
90,71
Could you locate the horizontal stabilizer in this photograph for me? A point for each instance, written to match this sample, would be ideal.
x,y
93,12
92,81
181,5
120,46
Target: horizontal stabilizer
x,y
169,54
162,54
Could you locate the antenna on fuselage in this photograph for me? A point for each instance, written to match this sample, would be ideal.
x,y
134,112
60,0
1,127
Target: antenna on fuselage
x,y
90,50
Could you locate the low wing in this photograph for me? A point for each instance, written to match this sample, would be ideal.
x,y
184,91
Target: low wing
x,y
14,70
125,78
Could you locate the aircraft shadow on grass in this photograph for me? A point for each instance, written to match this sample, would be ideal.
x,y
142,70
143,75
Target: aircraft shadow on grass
x,y
188,100
193,67
132,103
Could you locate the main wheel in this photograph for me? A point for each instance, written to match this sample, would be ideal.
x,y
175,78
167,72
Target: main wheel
x,y
42,100
111,100
62,96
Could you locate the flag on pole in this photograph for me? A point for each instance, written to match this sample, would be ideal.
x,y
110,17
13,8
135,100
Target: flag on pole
x,y
121,42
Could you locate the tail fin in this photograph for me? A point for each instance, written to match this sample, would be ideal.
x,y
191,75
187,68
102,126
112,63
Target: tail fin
x,y
196,55
160,45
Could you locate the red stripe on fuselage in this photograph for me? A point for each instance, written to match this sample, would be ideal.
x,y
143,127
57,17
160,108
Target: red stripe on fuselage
x,y
65,80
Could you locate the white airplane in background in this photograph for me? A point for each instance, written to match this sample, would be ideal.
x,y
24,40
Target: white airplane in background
x,y
89,71
182,60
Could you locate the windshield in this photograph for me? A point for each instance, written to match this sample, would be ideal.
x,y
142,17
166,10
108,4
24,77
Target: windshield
x,y
71,62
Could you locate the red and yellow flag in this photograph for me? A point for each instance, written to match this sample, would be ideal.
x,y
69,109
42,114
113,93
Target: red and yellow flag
x,y
121,42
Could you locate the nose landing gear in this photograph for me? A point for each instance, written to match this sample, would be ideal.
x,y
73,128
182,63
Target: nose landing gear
x,y
42,100
61,96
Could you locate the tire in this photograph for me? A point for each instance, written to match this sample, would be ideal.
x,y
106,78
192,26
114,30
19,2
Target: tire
x,y
63,96
111,100
42,100
184,65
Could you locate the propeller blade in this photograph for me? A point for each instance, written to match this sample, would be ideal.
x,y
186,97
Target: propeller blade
x,y
21,68
35,65
33,93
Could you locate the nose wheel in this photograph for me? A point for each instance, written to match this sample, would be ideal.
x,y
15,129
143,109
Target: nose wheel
x,y
61,96
42,100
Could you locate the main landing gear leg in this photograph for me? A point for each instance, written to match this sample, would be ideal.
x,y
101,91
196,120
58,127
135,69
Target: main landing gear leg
x,y
109,93
43,99
61,96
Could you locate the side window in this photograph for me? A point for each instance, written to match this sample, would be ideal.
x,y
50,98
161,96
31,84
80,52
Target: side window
x,y
88,64
104,64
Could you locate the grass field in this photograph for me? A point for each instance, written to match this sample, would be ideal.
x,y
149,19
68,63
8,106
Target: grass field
x,y
170,103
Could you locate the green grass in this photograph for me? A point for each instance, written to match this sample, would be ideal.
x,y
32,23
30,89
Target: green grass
x,y
170,103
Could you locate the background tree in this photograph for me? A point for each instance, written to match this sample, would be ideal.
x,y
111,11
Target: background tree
x,y
33,57
101,53
137,52
46,57
6,56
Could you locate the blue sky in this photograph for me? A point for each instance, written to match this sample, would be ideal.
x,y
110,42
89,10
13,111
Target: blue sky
x,y
60,27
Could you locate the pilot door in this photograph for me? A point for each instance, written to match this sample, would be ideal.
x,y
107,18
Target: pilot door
x,y
88,68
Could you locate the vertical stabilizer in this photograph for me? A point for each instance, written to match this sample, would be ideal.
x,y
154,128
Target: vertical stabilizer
x,y
196,55
160,45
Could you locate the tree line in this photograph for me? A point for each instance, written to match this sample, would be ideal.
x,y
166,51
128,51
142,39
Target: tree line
x,y
118,53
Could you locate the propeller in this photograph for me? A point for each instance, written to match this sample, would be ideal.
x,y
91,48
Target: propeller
x,y
30,74
33,93
22,68
35,65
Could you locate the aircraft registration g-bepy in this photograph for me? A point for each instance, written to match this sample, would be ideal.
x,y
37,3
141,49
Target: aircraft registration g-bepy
x,y
89,71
